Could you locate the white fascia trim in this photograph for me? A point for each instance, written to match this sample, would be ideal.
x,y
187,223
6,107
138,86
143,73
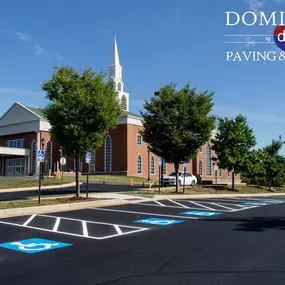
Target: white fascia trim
x,y
130,121
14,151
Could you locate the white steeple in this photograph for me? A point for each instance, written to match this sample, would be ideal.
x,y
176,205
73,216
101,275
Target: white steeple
x,y
115,73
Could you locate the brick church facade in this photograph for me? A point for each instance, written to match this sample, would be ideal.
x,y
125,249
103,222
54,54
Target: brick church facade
x,y
24,130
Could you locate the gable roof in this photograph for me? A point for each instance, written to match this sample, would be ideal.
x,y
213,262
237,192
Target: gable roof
x,y
37,111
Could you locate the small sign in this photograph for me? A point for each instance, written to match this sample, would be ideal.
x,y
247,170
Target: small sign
x,y
88,157
185,164
63,161
159,161
159,221
201,213
34,245
41,155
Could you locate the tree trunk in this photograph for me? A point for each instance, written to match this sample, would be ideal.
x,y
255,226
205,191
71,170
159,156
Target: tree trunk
x,y
77,177
177,180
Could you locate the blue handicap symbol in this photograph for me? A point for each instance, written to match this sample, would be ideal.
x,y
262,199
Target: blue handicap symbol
x,y
159,221
201,213
33,245
255,203
41,155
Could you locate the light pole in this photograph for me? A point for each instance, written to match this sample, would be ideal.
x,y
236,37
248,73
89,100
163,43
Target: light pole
x,y
148,169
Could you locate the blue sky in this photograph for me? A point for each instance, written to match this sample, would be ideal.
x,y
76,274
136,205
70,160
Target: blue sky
x,y
159,41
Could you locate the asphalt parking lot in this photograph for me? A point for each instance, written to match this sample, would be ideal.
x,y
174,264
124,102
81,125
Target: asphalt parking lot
x,y
155,242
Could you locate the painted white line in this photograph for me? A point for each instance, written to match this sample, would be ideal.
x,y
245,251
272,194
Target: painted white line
x,y
143,213
243,209
84,227
56,225
118,229
222,206
70,234
99,223
159,203
206,207
183,206
176,207
29,220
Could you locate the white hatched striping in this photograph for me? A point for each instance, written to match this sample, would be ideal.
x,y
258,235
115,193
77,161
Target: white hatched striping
x,y
200,205
159,203
84,228
56,224
183,206
29,220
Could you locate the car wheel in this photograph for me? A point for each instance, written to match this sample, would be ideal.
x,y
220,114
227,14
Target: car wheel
x,y
193,183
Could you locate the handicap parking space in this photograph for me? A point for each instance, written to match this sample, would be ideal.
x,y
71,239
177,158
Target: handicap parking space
x,y
44,232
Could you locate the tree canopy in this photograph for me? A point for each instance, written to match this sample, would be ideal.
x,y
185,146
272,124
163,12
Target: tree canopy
x,y
177,123
82,107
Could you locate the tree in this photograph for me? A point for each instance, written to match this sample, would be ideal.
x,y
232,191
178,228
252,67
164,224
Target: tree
x,y
273,162
232,144
177,123
82,108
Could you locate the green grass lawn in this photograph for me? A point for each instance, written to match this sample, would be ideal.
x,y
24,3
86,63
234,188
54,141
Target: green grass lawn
x,y
6,183
44,202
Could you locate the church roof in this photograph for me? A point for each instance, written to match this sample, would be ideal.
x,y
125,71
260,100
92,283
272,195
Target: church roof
x,y
39,112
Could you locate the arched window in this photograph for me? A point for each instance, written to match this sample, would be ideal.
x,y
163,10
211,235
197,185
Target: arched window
x,y
33,156
119,86
139,164
151,165
208,160
164,167
92,162
49,156
108,154
200,168
139,140
124,103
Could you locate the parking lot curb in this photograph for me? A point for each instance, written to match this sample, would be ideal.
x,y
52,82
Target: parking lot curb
x,y
8,190
203,196
14,212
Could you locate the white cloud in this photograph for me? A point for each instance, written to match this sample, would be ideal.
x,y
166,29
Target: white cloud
x,y
39,50
260,117
19,92
23,36
59,57
255,5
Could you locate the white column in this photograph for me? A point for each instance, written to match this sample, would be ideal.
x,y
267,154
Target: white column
x,y
38,148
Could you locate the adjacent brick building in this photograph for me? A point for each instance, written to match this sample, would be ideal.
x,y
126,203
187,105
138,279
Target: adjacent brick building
x,y
24,130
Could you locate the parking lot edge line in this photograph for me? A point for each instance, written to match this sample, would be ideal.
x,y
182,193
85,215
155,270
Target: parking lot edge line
x,y
123,234
99,223
183,206
206,207
118,229
143,213
166,206
56,225
220,205
247,208
159,203
84,228
29,220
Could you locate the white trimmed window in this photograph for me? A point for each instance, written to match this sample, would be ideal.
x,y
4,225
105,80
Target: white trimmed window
x,y
151,162
139,164
119,86
108,154
19,143
33,156
220,171
200,168
208,160
139,140
49,156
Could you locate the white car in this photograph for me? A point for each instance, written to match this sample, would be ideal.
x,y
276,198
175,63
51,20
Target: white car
x,y
170,179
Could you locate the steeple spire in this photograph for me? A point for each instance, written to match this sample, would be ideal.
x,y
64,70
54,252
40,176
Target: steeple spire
x,y
116,60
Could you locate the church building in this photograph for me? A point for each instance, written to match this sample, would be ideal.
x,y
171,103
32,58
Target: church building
x,y
24,130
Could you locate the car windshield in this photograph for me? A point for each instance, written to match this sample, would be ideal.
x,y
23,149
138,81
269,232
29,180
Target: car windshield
x,y
174,174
